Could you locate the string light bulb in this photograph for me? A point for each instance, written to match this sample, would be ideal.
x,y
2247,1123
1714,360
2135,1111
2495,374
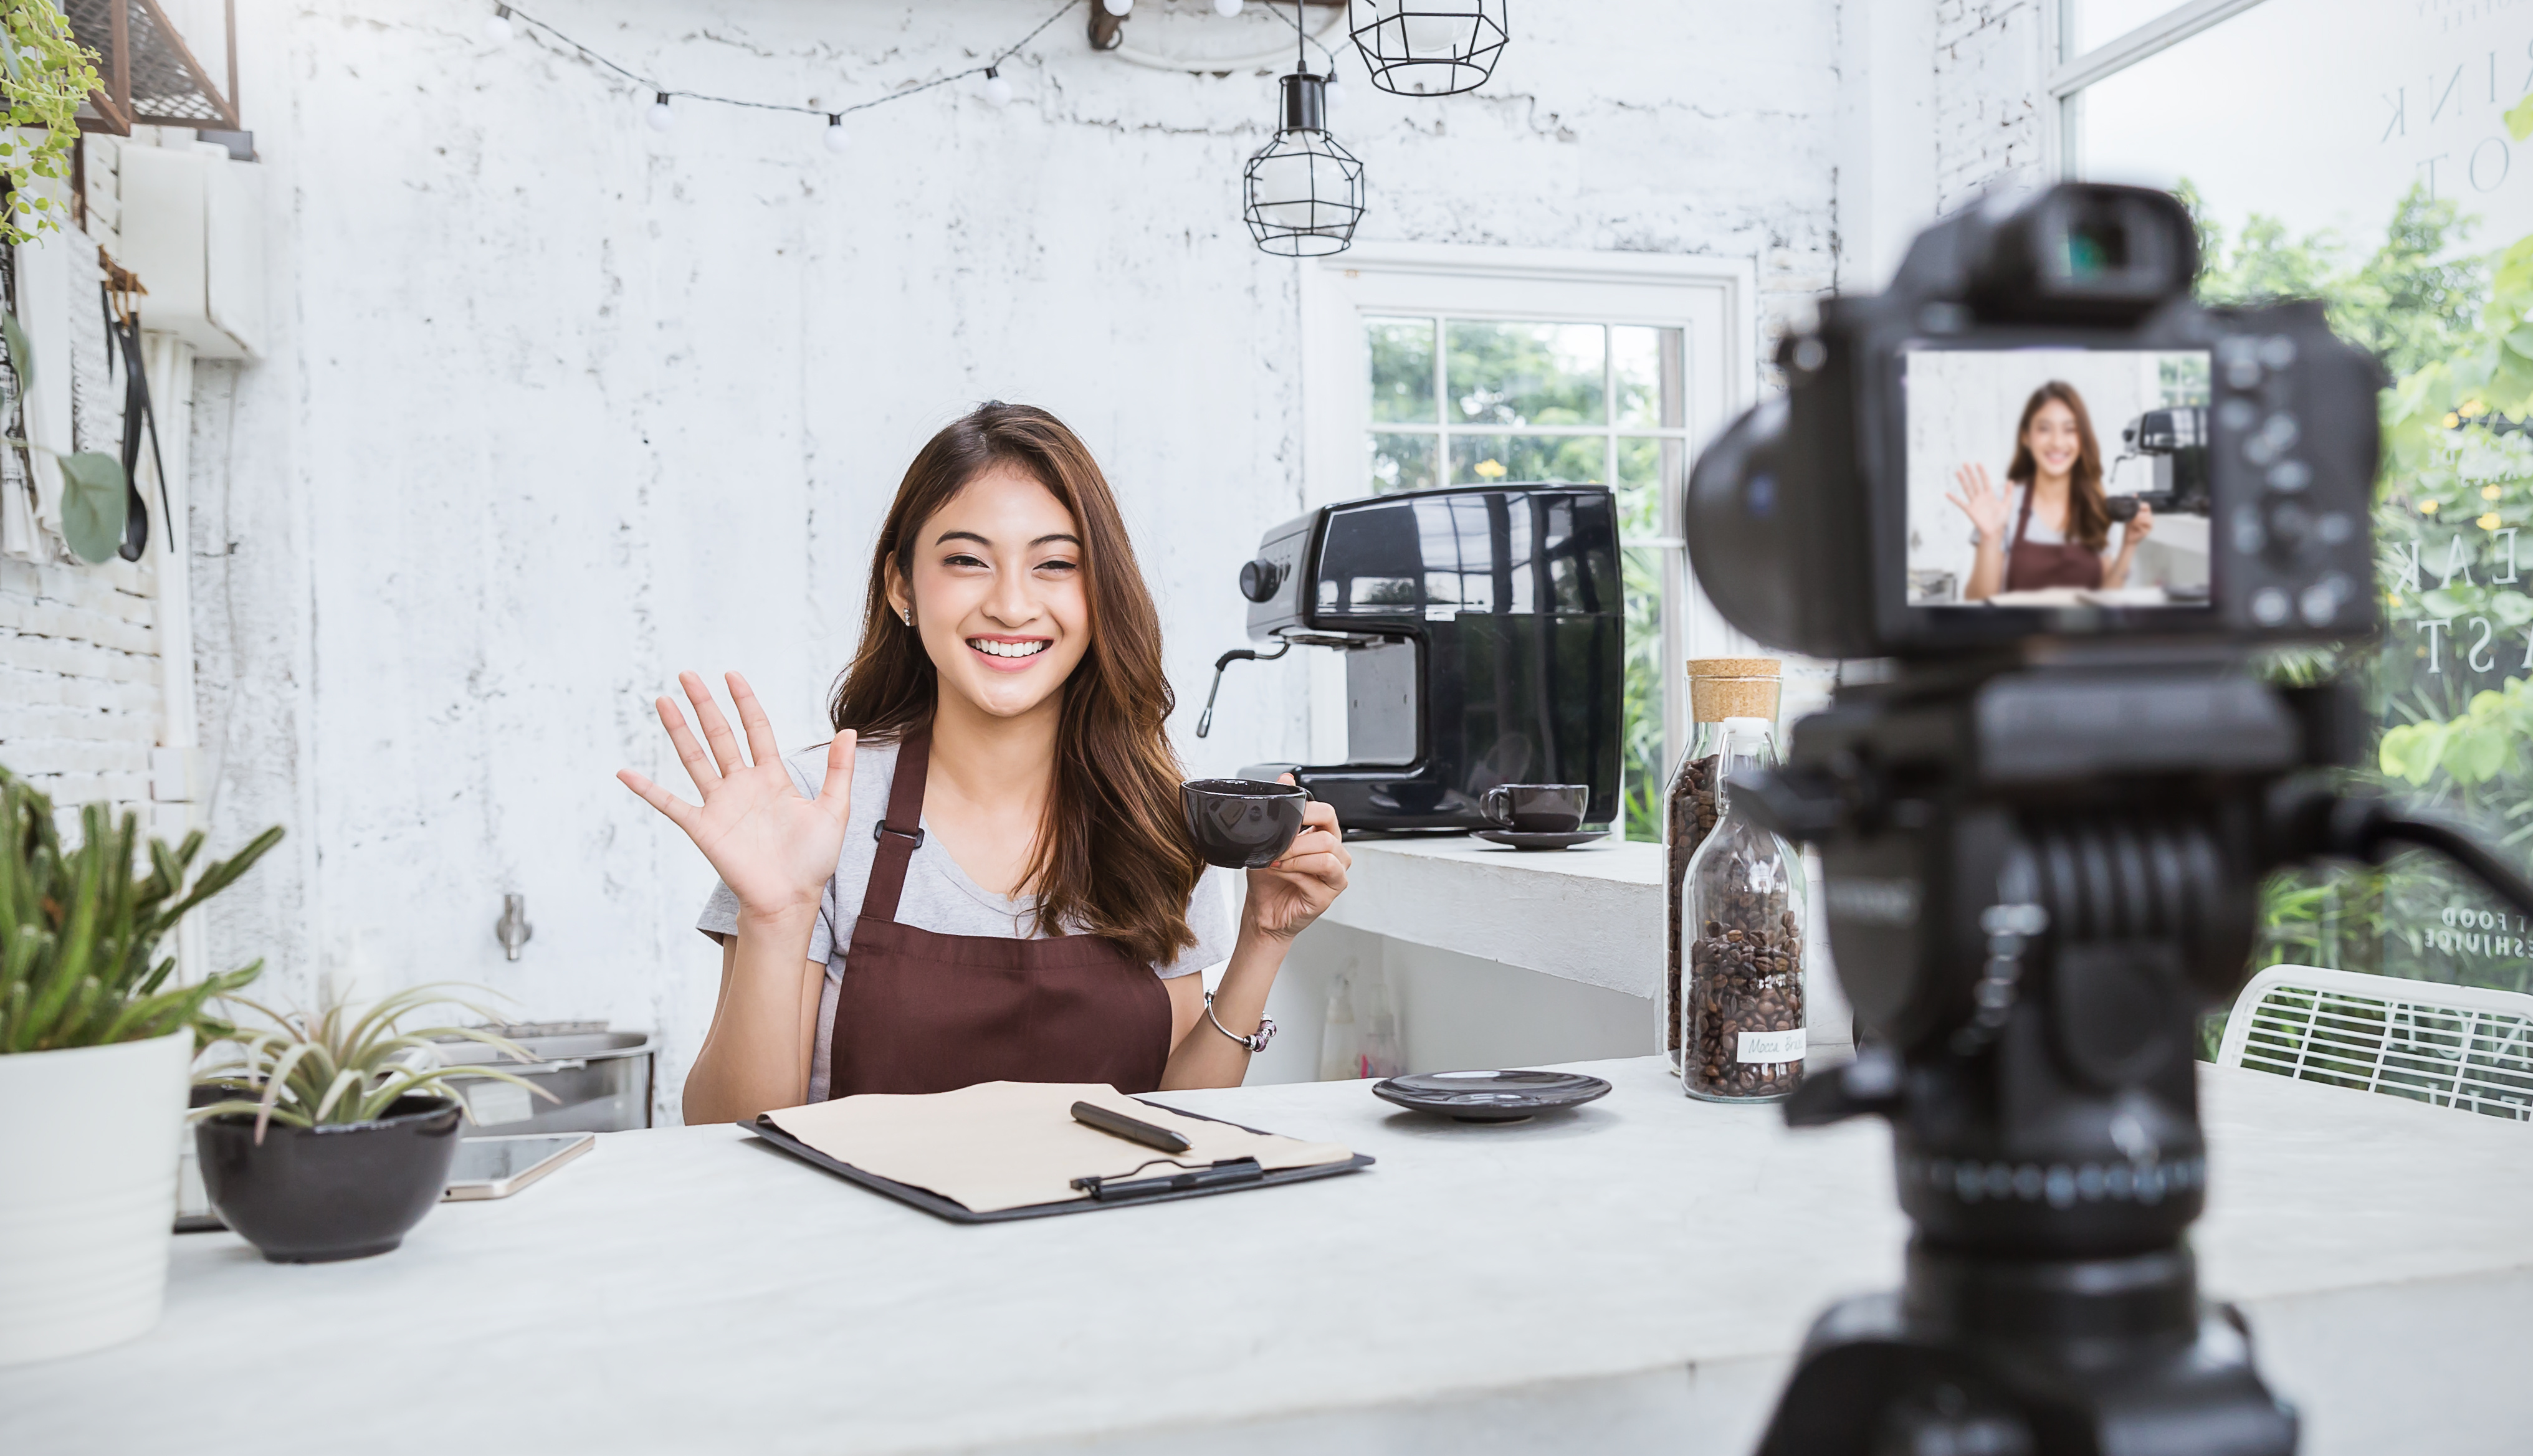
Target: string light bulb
x,y
660,116
837,137
1227,7
496,26
998,91
1117,8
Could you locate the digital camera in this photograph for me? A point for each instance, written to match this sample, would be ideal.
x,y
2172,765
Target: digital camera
x,y
1882,507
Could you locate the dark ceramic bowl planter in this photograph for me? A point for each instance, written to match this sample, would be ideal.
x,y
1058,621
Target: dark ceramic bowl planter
x,y
308,1195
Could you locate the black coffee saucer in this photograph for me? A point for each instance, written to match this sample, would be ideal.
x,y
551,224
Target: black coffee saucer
x,y
1490,1096
1522,840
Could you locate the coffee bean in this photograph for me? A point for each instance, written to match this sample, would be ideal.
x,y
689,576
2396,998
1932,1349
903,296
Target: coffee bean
x,y
1690,812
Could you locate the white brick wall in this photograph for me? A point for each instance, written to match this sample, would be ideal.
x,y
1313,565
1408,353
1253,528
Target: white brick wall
x,y
82,689
1989,77
555,405
80,679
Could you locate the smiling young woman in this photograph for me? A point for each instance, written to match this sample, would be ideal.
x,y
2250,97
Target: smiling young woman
x,y
2054,527
984,874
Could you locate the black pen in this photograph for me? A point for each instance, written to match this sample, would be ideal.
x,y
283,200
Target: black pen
x,y
1118,1124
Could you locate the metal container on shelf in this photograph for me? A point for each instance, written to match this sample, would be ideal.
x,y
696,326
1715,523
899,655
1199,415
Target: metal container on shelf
x,y
601,1080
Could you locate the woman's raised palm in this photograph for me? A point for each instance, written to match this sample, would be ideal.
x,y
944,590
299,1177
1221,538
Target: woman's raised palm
x,y
1984,503
775,850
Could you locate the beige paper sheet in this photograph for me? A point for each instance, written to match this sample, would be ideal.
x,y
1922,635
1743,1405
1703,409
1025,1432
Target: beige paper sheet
x,y
1008,1144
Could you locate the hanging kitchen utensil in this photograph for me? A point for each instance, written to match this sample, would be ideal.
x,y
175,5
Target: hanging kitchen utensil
x,y
123,330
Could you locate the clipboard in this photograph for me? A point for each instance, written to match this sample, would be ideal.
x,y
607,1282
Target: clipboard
x,y
955,1213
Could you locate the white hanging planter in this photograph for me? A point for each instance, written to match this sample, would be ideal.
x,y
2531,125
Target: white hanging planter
x,y
89,1137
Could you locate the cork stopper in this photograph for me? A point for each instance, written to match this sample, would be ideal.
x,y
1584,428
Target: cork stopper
x,y
1732,687
1734,667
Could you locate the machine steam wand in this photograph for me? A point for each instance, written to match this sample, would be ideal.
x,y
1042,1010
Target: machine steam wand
x,y
1205,720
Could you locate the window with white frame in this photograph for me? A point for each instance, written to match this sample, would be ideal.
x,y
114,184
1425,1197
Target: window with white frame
x,y
1457,365
1473,402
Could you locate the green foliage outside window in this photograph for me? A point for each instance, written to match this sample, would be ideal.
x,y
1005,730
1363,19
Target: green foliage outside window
x,y
2451,679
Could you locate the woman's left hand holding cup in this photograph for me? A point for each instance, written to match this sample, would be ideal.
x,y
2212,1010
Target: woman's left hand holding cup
x,y
1293,890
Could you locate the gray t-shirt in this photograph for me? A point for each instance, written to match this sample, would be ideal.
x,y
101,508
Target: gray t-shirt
x,y
938,897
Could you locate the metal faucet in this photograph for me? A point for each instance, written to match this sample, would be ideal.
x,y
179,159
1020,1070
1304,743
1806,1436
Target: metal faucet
x,y
514,927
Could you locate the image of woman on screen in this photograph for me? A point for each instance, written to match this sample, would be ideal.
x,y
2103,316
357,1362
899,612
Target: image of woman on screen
x,y
2050,527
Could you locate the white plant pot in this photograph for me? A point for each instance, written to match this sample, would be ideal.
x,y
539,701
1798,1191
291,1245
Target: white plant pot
x,y
87,1191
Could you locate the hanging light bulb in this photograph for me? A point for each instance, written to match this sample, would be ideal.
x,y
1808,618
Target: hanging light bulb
x,y
1428,47
1226,8
1329,91
998,91
660,116
838,138
1303,192
496,26
1118,8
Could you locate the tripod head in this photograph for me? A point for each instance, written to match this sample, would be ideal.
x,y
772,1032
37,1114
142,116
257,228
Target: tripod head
x,y
2040,876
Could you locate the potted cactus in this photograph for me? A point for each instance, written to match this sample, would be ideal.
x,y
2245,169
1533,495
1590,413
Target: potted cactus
x,y
336,1136
96,1040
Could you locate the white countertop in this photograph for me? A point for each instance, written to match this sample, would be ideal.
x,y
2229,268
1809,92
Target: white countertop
x,y
1633,1276
1592,913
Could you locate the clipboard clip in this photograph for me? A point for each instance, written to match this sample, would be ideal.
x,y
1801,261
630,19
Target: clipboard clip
x,y
1116,1188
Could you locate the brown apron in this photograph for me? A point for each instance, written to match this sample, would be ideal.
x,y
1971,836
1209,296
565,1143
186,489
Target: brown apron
x,y
2029,567
921,1012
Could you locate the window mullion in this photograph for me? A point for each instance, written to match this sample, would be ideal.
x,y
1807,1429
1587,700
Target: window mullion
x,y
1442,402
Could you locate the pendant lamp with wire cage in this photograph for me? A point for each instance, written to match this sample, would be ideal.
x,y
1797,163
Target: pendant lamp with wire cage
x,y
1428,47
1303,192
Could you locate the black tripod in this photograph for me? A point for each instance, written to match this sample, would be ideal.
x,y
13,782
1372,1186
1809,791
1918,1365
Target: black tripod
x,y
2044,1108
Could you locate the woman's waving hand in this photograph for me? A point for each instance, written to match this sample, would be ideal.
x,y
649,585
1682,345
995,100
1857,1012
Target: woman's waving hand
x,y
775,850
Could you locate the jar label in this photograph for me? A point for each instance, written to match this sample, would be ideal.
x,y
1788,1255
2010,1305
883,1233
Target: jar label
x,y
1771,1046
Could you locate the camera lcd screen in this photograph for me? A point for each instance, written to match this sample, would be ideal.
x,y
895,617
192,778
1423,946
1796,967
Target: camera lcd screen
x,y
2057,478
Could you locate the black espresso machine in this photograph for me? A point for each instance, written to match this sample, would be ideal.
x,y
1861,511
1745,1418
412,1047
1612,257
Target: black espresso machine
x,y
1484,636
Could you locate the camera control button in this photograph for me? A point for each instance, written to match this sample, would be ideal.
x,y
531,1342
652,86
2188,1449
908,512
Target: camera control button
x,y
2236,415
2250,535
2321,602
2290,525
2278,350
2290,476
2333,528
2269,607
2276,435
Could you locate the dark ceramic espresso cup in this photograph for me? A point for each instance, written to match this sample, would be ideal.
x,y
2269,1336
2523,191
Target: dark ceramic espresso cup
x,y
1242,823
1537,808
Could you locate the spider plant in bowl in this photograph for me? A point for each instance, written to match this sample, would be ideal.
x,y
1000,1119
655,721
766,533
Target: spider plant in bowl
x,y
339,1124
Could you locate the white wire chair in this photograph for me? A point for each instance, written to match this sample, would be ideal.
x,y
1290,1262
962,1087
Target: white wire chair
x,y
2450,1046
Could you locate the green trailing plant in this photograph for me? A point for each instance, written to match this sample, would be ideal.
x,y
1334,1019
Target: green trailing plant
x,y
44,75
79,928
343,1063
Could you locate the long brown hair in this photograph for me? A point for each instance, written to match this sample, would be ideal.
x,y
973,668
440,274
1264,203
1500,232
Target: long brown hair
x,y
1112,858
2089,515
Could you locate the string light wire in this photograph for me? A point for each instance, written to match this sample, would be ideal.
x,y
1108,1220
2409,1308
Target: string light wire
x,y
833,114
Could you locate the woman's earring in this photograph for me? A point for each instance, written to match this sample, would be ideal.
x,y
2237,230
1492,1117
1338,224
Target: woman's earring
x,y
909,615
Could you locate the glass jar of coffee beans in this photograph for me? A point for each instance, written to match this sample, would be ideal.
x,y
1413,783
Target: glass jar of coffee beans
x,y
1742,1017
1718,688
